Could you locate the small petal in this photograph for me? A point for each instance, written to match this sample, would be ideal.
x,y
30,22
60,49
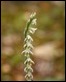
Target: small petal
x,y
32,15
24,45
34,21
31,52
32,30
29,75
28,60
26,69
23,52
26,51
29,45
29,37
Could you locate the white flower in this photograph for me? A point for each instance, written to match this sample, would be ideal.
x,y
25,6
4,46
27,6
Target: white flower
x,y
28,38
26,69
28,60
34,21
31,52
32,30
29,75
28,44
32,15
27,51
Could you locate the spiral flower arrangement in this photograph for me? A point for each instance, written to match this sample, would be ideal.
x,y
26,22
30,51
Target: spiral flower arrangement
x,y
30,29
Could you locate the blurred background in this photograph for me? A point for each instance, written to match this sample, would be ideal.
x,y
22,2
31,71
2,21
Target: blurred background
x,y
49,45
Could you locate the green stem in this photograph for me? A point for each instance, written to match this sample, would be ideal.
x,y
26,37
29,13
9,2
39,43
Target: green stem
x,y
27,27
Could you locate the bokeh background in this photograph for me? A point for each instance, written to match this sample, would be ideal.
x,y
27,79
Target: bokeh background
x,y
49,45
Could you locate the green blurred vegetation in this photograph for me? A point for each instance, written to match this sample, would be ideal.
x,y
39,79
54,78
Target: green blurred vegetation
x,y
51,28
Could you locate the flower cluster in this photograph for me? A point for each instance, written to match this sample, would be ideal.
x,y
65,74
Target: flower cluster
x,y
30,29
